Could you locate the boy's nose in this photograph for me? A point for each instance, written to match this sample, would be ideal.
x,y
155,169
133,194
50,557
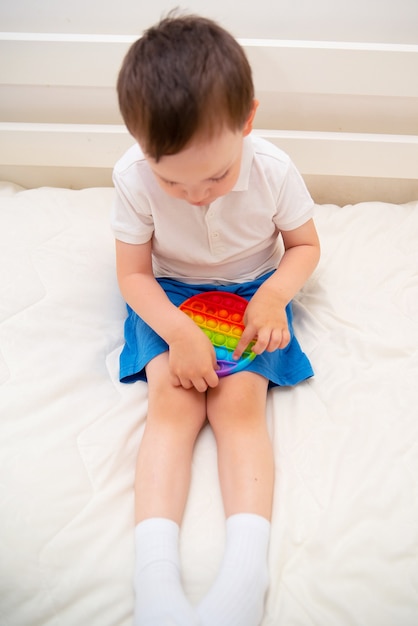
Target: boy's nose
x,y
196,196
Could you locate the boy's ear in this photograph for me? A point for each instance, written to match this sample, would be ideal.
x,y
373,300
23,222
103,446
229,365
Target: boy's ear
x,y
249,123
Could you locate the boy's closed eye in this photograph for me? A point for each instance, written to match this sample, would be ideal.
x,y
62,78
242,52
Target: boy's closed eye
x,y
218,179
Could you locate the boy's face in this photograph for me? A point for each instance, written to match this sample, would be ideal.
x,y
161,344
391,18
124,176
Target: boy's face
x,y
202,172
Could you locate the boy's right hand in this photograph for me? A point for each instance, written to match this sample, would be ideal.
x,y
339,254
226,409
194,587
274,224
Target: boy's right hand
x,y
192,361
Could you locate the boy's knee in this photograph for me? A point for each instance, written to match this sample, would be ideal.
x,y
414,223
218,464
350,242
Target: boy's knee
x,y
239,396
175,408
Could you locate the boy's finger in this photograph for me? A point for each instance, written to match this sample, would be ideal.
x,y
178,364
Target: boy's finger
x,y
247,336
263,340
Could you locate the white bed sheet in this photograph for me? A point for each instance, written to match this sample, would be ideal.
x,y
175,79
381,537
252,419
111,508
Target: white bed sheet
x,y
344,545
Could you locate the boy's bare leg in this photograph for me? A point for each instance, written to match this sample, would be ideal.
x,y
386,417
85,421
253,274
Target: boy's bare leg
x,y
175,417
236,411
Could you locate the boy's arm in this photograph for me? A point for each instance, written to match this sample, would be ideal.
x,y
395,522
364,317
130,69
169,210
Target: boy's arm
x,y
266,319
188,367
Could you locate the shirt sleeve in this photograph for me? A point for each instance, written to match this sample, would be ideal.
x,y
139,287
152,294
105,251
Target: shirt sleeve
x,y
294,203
131,217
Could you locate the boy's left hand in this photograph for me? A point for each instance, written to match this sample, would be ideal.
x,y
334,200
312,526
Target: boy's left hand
x,y
265,322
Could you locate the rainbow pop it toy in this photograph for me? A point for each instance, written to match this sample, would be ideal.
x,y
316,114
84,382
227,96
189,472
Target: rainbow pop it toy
x,y
220,315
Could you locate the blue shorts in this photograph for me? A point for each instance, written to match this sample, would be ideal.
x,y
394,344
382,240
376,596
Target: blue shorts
x,y
285,367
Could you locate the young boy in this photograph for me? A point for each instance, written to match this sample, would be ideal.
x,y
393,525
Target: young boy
x,y
202,204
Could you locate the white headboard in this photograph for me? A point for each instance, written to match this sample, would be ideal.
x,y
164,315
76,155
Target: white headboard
x,y
347,113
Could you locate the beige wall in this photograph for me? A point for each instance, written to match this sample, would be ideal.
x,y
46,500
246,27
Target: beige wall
x,y
333,20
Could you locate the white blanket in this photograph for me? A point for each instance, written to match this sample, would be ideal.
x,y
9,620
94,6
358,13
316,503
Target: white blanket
x,y
344,544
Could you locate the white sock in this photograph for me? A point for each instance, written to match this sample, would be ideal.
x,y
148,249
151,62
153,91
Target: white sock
x,y
159,596
237,595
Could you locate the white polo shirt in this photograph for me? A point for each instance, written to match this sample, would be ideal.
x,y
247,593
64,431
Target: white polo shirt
x,y
236,238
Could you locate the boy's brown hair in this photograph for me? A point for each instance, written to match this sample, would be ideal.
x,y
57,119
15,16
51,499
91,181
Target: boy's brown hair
x,y
185,77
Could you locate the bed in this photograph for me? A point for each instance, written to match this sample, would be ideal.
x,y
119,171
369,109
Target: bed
x,y
344,543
